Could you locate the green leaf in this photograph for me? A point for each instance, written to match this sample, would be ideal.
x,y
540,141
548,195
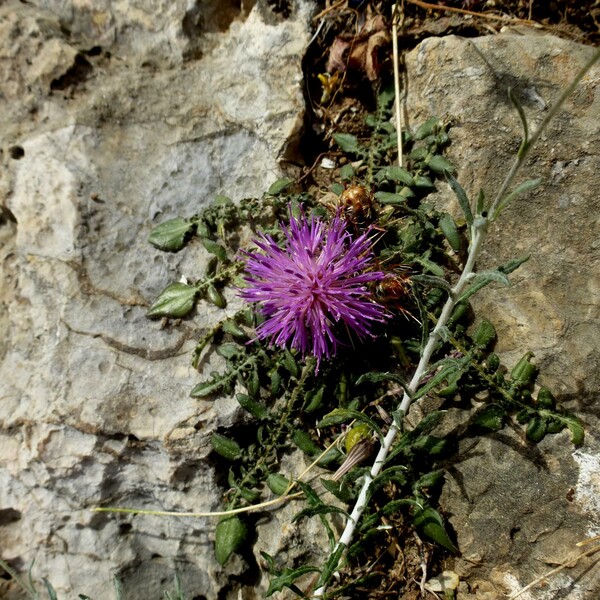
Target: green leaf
x,y
176,300
51,591
426,129
574,425
279,185
214,296
395,474
322,509
485,334
286,579
278,484
342,415
517,104
347,172
449,367
118,588
450,231
522,188
421,181
170,235
545,398
481,280
461,196
226,447
513,265
429,265
491,417
217,383
536,429
430,522
215,248
389,198
348,143
379,376
255,408
331,565
429,479
230,534
439,164
313,400
524,372
339,489
432,281
303,440
396,174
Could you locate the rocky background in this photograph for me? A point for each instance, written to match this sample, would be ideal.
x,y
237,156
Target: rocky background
x,y
115,115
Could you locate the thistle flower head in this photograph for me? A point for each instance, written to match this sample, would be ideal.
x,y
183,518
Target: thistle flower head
x,y
314,289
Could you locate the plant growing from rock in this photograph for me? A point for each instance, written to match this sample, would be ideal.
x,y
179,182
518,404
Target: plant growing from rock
x,y
369,262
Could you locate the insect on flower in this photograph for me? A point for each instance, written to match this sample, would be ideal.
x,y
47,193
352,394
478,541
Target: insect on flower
x,y
315,288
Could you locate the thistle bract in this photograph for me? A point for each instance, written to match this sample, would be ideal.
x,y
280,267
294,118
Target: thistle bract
x,y
313,291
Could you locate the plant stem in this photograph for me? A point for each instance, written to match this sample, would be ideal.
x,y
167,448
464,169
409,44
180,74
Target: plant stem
x,y
478,232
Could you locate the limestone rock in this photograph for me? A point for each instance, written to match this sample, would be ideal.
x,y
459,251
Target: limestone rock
x,y
115,116
519,509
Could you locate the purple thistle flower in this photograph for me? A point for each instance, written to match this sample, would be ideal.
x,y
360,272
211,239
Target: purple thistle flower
x,y
313,286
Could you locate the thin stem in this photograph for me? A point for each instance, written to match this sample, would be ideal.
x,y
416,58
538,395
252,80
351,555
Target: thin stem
x,y
479,230
520,159
397,83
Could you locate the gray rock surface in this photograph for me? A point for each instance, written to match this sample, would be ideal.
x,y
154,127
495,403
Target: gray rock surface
x,y
115,116
519,509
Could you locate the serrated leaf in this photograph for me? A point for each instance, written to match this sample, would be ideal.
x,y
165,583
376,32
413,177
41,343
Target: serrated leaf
x,y
170,235
461,196
322,509
230,534
485,334
286,579
348,143
278,186
430,522
217,383
331,565
176,300
429,479
215,248
491,417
